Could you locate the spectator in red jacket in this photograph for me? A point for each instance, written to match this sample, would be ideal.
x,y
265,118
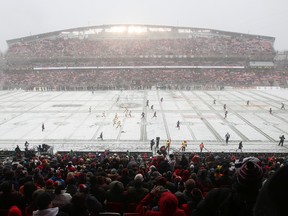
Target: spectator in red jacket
x,y
167,204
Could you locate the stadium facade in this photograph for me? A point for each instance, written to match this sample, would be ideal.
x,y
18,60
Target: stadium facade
x,y
140,57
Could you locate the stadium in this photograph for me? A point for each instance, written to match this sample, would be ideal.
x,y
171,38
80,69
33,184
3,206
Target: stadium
x,y
114,99
140,57
122,67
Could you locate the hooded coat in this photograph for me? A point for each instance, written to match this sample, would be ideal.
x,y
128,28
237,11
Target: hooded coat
x,y
167,203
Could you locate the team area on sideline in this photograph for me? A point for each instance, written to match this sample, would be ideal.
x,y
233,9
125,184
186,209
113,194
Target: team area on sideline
x,y
129,120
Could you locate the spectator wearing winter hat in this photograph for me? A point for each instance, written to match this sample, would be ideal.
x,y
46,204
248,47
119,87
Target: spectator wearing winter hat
x,y
32,206
28,190
163,165
9,175
14,211
71,184
115,192
44,205
82,178
172,161
160,180
70,167
8,197
100,172
154,162
86,200
203,180
58,177
239,200
125,178
38,177
139,177
196,197
184,162
189,185
113,175
49,186
272,199
154,175
61,197
167,204
78,206
136,192
96,189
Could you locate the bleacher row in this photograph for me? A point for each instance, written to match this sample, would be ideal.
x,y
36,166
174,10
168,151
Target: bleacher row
x,y
111,48
141,79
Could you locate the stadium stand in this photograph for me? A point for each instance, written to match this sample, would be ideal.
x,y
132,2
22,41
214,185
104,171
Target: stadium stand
x,y
103,57
110,182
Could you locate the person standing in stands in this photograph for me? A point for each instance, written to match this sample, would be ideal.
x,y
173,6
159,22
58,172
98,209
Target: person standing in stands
x,y
283,106
43,127
44,205
247,102
272,199
167,203
240,199
281,142
270,110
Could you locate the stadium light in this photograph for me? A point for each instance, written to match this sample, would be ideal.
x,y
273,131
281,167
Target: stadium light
x,y
136,29
116,29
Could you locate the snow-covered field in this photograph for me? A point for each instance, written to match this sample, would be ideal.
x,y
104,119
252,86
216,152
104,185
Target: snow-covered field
x,y
70,125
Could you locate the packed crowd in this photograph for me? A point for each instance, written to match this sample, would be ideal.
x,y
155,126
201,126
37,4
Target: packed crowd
x,y
111,48
141,79
23,56
122,62
179,184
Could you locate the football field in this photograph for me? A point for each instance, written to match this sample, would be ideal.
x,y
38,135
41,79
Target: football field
x,y
75,120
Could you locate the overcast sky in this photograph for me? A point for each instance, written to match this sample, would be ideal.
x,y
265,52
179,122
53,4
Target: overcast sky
x,y
20,18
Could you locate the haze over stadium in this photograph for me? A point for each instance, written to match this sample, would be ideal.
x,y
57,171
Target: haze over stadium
x,y
264,17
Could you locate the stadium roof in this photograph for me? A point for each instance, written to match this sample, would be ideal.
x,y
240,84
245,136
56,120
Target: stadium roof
x,y
136,29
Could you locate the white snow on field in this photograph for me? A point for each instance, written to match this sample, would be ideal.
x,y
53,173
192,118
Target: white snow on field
x,y
70,125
